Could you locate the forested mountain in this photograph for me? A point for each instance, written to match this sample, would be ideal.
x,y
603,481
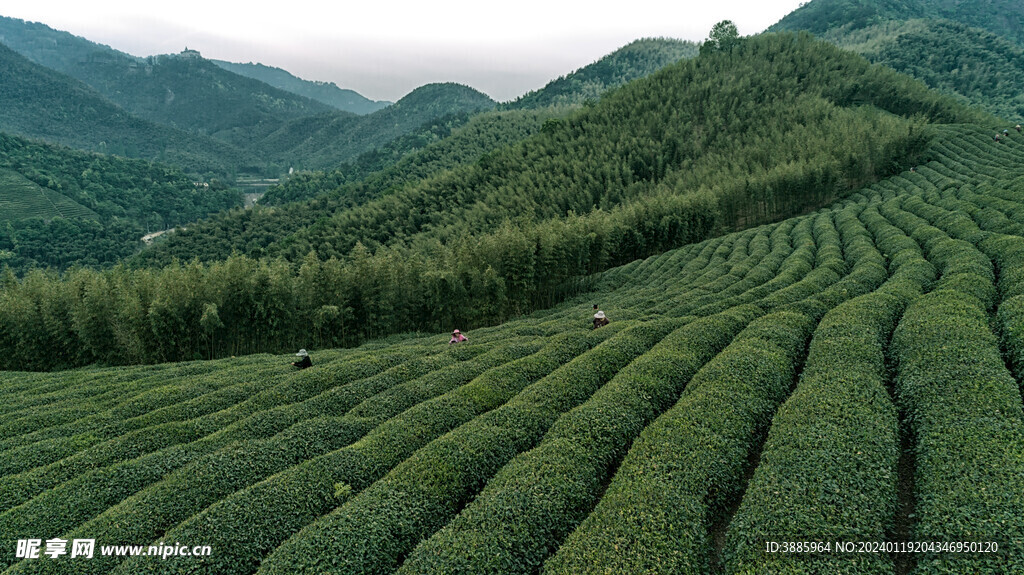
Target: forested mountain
x,y
984,69
970,51
664,161
326,140
680,130
37,102
55,49
1001,17
189,92
268,129
257,232
324,92
250,232
634,60
60,207
184,90
437,146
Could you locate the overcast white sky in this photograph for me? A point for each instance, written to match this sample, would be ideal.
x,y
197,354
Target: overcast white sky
x,y
385,48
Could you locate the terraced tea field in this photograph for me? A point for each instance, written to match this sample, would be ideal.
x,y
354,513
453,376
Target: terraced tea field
x,y
21,199
852,375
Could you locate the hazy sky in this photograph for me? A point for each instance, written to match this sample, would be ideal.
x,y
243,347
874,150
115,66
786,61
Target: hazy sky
x,y
385,48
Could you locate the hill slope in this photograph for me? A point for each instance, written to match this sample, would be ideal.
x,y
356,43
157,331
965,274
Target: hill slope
x,y
437,146
190,92
55,49
22,199
282,212
323,92
557,98
268,129
546,447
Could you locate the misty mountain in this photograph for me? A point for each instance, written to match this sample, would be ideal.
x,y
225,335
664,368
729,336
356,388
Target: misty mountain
x,y
268,129
190,92
37,102
183,90
61,51
663,138
460,139
324,92
435,147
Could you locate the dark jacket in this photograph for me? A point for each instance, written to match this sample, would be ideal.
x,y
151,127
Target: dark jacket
x,y
303,363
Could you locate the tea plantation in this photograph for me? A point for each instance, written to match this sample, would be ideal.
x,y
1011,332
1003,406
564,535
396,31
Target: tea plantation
x,y
21,198
847,376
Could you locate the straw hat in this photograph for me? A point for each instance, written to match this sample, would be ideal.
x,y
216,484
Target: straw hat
x,y
599,315
302,353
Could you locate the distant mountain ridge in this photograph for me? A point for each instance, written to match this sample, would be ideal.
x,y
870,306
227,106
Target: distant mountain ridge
x,y
184,91
55,49
323,141
324,92
557,99
106,98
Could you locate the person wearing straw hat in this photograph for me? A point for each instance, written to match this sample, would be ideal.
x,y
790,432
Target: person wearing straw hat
x,y
304,362
599,318
457,337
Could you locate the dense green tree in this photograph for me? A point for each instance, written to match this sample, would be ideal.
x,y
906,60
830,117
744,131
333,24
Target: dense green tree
x,y
723,36
980,67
